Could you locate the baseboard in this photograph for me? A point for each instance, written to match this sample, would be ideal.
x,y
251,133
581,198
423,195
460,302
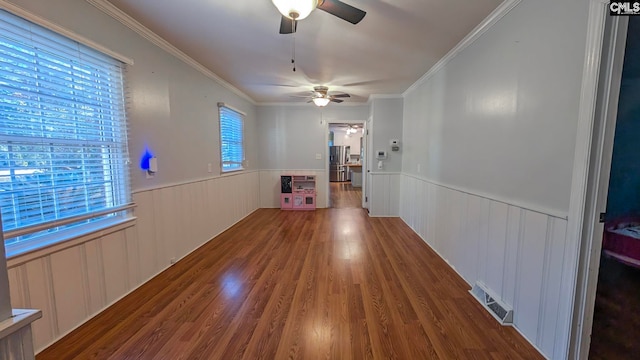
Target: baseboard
x,y
141,283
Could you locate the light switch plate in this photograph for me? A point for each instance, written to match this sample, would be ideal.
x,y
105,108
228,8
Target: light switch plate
x,y
318,156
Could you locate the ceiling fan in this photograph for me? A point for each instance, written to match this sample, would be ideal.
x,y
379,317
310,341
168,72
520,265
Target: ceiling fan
x,y
294,10
320,96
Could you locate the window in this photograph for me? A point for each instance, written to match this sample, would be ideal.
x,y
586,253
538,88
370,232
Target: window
x,y
231,138
63,141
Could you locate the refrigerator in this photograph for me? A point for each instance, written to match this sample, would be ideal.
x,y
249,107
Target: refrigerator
x,y
338,158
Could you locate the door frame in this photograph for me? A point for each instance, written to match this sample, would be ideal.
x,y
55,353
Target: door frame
x,y
5,295
326,163
602,71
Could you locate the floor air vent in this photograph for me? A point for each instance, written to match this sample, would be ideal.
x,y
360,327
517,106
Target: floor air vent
x,y
500,311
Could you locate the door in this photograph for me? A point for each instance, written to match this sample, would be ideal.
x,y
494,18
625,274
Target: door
x,y
598,182
366,166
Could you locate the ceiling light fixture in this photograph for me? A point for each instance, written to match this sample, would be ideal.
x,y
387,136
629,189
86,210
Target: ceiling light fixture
x,y
321,101
295,9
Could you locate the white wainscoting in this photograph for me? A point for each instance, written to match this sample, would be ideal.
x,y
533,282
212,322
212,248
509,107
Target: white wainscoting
x,y
16,339
384,194
270,186
517,252
76,283
16,346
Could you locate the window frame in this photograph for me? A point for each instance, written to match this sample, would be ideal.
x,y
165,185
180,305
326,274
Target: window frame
x,y
242,117
102,218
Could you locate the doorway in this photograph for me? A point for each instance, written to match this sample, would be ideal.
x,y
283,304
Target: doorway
x,y
616,321
345,163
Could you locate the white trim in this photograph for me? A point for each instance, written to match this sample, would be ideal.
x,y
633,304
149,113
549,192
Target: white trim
x,y
327,171
599,174
535,208
296,170
575,304
106,229
384,96
180,183
16,10
111,10
61,222
296,104
19,319
514,326
60,336
385,173
5,298
485,25
223,104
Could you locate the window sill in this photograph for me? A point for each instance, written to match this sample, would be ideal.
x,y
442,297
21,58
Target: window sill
x,y
18,256
223,172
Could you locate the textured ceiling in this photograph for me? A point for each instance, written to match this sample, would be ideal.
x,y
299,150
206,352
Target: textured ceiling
x,y
392,47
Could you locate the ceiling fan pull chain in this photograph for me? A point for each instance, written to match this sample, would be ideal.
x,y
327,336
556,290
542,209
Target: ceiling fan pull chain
x,y
293,55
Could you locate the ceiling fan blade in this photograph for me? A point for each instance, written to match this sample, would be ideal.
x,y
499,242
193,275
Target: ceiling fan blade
x,y
341,96
343,11
337,100
287,26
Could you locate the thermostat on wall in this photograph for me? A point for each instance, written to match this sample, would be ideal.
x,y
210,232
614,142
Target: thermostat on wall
x,y
395,145
381,154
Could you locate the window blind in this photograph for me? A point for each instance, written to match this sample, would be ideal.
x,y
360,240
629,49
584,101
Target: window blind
x,y
231,139
63,134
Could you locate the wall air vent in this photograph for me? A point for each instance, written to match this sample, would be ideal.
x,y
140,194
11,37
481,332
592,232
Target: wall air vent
x,y
499,310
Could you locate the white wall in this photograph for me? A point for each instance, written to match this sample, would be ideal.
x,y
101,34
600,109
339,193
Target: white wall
x,y
387,124
383,185
518,253
493,132
501,117
351,140
173,111
76,280
290,137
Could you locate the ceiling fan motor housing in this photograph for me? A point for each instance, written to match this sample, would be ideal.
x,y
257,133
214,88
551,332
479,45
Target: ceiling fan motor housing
x,y
322,90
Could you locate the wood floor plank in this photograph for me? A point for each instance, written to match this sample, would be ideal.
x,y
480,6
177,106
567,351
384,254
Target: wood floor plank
x,y
324,284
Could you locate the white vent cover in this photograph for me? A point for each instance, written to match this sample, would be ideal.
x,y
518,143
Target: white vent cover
x,y
499,310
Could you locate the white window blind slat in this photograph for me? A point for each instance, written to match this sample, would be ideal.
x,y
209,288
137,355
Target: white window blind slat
x,y
63,141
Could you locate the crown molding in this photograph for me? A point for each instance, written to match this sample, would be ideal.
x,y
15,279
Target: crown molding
x,y
485,25
384,96
119,15
299,104
27,15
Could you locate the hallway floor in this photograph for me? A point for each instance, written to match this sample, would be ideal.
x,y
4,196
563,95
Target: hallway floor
x,y
616,324
345,196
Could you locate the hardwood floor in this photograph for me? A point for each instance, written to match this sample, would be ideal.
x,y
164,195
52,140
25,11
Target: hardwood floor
x,y
324,284
345,196
616,324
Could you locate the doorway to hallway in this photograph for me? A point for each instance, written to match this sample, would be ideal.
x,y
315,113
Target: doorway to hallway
x,y
344,196
345,163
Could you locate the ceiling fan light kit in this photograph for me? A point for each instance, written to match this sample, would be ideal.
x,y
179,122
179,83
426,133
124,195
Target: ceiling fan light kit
x,y
321,101
320,96
295,9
